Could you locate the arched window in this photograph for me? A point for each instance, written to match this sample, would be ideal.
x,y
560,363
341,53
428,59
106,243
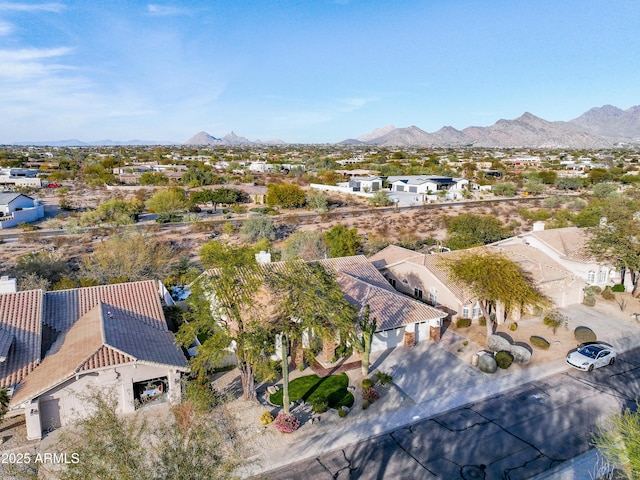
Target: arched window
x,y
591,276
602,276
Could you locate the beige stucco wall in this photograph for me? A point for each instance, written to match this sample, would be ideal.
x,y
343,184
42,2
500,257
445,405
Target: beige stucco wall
x,y
69,396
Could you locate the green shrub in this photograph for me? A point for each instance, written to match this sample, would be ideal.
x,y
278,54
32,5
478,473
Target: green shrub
x,y
465,343
320,405
342,412
589,301
618,287
266,418
463,323
482,322
591,291
595,289
513,326
367,383
539,342
504,359
365,404
382,378
201,394
607,294
584,334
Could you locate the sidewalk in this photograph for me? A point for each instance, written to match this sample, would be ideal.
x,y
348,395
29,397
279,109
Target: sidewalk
x,y
468,386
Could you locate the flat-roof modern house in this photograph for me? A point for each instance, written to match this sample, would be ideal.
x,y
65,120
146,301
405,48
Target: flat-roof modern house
x,y
56,347
16,208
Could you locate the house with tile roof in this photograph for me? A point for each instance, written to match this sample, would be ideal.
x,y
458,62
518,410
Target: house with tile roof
x,y
64,344
567,247
16,208
400,320
424,276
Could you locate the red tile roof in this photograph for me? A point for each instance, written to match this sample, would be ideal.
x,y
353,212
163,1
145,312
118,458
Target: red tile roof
x,y
21,316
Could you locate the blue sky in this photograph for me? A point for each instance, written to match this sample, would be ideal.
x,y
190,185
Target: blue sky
x,y
309,71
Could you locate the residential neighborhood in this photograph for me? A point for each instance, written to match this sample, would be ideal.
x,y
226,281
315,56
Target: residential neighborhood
x,y
311,298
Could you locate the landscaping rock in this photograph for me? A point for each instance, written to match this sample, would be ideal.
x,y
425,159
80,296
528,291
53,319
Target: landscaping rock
x,y
487,364
497,343
520,354
584,334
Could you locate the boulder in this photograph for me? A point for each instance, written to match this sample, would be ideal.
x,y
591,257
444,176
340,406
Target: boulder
x,y
497,343
520,354
487,364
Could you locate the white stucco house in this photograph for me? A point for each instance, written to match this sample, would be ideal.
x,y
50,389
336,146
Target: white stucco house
x,y
56,347
567,247
16,208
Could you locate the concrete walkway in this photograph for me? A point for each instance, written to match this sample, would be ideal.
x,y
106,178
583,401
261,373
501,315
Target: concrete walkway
x,y
438,382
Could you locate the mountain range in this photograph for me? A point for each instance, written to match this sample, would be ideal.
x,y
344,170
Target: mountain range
x,y
600,127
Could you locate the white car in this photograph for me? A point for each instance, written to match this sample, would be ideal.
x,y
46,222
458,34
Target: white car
x,y
592,355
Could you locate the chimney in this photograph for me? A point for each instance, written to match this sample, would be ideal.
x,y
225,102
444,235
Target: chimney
x,y
538,226
263,257
8,285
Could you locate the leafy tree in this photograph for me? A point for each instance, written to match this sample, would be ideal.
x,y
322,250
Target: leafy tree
x,y
217,196
113,212
223,309
548,177
617,239
317,201
198,175
604,190
493,279
342,242
286,195
504,189
535,187
168,203
49,266
569,183
306,245
129,258
363,338
257,228
471,230
618,440
306,297
215,254
380,199
188,445
153,178
589,216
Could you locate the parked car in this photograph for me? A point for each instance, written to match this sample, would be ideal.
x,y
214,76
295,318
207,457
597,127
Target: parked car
x,y
592,355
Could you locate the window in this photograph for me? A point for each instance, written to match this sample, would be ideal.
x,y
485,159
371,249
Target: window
x,y
476,310
591,276
465,312
392,281
417,293
602,276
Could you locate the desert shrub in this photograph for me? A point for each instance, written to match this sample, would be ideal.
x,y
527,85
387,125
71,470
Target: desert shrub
x,y
590,291
463,323
584,334
607,294
594,289
287,423
513,326
482,322
342,412
497,343
320,405
465,343
520,354
365,404
618,287
370,394
539,342
504,359
266,418
367,383
201,394
589,301
555,320
382,378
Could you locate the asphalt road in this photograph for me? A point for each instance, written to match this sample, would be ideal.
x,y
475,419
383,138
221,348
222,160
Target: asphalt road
x,y
516,435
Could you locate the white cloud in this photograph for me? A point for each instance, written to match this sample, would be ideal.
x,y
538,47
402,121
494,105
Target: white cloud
x,y
165,10
5,28
30,63
31,7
